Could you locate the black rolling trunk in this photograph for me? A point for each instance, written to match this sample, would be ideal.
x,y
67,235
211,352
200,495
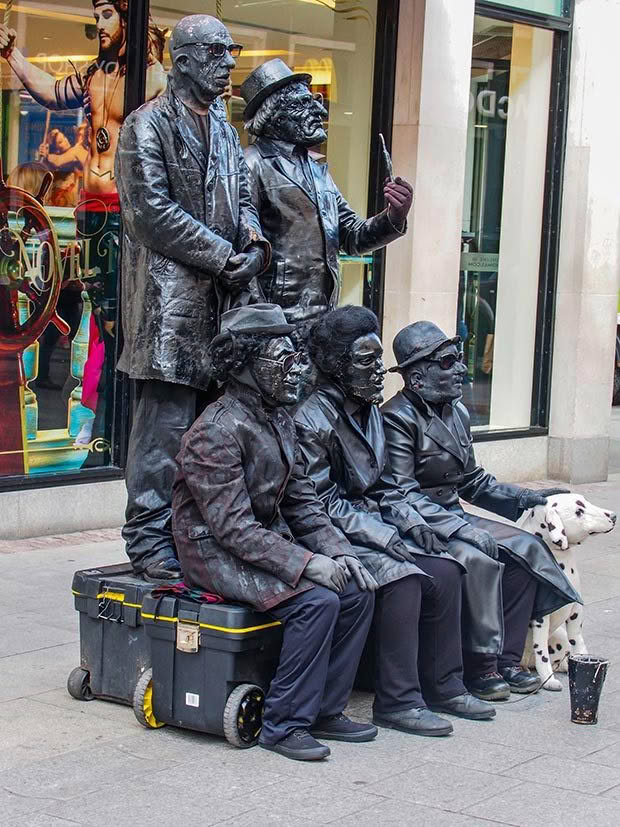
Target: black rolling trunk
x,y
114,647
211,665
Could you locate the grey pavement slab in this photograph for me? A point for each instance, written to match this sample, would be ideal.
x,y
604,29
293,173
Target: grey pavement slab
x,y
567,774
396,813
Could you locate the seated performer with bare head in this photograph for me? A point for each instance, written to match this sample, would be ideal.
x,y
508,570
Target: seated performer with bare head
x,y
249,526
419,668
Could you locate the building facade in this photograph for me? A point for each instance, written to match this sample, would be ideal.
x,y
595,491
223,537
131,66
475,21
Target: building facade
x,y
500,114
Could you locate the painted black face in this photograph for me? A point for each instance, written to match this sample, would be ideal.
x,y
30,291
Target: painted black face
x,y
301,120
277,372
208,75
439,379
362,376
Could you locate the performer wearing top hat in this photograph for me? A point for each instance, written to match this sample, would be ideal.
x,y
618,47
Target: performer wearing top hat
x,y
302,212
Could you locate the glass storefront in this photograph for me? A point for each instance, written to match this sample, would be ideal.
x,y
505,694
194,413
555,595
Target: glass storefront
x,y
62,105
502,218
558,8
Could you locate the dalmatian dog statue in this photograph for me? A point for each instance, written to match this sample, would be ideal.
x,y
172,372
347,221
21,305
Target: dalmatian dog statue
x,y
563,523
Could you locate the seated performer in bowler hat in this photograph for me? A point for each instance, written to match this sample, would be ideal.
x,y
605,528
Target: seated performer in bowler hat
x,y
249,526
432,458
302,212
418,612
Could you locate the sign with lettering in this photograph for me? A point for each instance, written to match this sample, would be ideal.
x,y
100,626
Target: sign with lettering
x,y
480,262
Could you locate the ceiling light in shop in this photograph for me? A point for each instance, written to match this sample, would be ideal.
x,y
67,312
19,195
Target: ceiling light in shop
x,y
42,11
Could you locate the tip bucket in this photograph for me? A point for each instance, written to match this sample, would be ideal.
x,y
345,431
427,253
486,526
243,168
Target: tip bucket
x,y
586,676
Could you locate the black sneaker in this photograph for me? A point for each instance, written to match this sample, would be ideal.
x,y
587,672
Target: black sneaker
x,y
489,687
300,746
520,680
163,571
341,728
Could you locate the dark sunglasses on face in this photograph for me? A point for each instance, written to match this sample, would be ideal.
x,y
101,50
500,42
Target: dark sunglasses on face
x,y
217,49
285,363
449,360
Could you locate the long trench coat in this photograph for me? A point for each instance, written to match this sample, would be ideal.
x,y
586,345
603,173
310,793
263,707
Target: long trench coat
x,y
246,518
433,461
307,223
184,212
348,466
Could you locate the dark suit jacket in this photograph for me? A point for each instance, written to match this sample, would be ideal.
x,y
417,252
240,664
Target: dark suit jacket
x,y
183,215
307,223
246,518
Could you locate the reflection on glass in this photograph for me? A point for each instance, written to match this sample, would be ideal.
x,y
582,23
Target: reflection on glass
x,y
502,218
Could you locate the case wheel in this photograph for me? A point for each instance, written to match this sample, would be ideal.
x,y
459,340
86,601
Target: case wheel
x,y
143,701
78,684
243,715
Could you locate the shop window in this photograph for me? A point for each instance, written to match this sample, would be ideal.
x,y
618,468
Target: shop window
x,y
334,42
502,218
557,8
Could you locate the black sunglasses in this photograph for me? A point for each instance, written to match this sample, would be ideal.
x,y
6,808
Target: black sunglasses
x,y
449,360
285,363
217,49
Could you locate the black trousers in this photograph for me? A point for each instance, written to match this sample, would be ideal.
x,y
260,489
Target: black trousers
x,y
518,594
417,631
324,635
162,413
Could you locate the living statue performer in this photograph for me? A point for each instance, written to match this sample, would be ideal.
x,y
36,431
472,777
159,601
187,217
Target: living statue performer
x,y
302,212
190,235
431,454
418,611
249,526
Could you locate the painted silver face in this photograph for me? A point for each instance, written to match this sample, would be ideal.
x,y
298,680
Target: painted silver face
x,y
362,376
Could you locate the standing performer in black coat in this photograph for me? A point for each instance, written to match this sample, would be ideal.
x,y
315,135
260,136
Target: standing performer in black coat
x,y
418,610
432,458
190,235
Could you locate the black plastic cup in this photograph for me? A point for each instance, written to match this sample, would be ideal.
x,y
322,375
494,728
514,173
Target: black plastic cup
x,y
586,676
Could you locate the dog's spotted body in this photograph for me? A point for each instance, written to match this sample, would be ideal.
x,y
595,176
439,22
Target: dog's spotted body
x,y
563,523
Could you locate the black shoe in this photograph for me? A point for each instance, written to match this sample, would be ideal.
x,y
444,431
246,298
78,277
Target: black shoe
x,y
417,721
341,728
48,385
520,680
300,746
163,571
465,706
489,687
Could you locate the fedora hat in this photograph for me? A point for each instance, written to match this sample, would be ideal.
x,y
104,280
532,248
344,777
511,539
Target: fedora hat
x,y
417,341
266,319
265,79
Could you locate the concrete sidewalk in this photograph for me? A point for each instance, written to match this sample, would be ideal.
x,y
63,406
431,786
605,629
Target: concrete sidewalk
x,y
65,762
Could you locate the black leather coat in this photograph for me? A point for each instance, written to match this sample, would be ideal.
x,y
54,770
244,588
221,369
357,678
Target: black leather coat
x,y
246,518
183,214
307,223
434,456
348,468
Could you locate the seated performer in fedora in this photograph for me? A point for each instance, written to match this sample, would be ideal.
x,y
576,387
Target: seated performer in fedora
x,y
249,526
432,458
418,613
302,212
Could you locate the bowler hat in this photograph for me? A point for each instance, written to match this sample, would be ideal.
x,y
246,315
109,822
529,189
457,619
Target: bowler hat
x,y
266,319
265,79
417,341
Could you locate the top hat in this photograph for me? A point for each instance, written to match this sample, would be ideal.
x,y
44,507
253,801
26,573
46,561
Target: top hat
x,y
417,341
266,319
265,79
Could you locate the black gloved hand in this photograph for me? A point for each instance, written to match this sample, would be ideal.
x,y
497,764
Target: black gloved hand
x,y
425,537
479,538
326,572
530,498
242,267
354,569
399,196
399,551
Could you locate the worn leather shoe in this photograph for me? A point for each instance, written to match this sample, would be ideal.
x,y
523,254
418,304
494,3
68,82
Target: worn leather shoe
x,y
417,721
163,571
341,728
489,687
520,680
465,706
300,746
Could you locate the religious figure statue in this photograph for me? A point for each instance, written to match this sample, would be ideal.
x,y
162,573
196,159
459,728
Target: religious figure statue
x,y
419,669
249,526
302,212
432,458
191,236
